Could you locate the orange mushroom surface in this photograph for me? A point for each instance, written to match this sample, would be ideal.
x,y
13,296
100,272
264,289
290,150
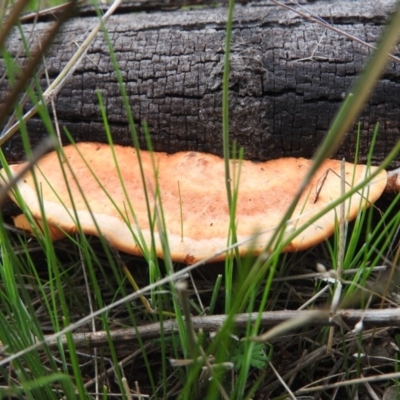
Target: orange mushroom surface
x,y
87,188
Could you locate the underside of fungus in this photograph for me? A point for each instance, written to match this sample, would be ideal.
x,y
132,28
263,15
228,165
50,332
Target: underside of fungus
x,y
187,198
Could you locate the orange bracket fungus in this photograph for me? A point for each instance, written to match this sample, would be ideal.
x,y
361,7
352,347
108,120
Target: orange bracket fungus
x,y
101,189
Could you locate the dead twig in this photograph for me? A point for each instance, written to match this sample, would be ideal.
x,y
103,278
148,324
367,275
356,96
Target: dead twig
x,y
212,323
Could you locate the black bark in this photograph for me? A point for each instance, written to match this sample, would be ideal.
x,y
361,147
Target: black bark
x,y
288,79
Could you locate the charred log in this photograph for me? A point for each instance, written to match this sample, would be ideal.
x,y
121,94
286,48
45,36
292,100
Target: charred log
x,y
288,79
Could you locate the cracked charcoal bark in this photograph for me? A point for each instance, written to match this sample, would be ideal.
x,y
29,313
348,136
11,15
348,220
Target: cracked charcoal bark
x,y
281,103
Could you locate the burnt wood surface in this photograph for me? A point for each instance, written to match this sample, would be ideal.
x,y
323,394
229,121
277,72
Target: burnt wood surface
x,y
288,78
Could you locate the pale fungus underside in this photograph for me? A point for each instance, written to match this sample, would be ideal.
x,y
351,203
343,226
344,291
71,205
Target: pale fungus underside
x,y
187,198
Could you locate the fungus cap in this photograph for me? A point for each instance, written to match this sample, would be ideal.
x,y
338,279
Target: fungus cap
x,y
22,222
193,197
